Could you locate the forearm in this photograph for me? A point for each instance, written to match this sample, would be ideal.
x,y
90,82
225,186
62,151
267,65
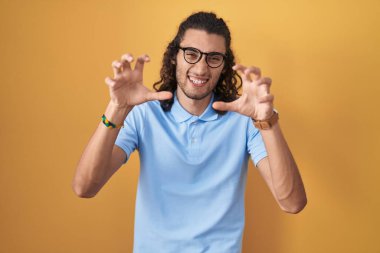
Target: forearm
x,y
94,164
286,179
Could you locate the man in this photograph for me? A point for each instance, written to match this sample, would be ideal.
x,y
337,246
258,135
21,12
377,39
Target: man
x,y
194,136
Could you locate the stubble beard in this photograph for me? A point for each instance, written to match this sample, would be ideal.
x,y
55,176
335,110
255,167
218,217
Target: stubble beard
x,y
193,96
182,85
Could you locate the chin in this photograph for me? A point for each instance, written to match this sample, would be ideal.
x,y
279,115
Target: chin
x,y
195,94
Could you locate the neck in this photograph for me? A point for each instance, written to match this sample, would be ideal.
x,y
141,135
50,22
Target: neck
x,y
193,106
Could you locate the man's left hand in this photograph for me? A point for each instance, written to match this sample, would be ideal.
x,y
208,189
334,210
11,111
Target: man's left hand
x,y
256,101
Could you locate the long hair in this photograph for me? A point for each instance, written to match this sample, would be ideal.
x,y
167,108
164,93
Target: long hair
x,y
229,82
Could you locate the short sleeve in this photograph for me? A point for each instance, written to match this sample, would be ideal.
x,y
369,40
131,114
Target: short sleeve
x,y
255,144
130,134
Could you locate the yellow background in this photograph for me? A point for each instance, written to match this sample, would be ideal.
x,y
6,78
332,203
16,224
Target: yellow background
x,y
323,57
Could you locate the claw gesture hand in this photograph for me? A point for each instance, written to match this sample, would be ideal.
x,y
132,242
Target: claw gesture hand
x,y
256,101
127,88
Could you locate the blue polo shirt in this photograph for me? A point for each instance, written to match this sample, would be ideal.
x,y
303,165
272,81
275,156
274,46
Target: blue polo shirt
x,y
190,196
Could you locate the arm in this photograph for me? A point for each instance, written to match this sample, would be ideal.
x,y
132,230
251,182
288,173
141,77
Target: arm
x,y
280,172
279,169
101,158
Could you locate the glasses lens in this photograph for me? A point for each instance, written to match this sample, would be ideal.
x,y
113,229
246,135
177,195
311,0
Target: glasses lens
x,y
191,55
215,60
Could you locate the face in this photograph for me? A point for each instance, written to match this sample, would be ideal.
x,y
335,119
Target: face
x,y
197,81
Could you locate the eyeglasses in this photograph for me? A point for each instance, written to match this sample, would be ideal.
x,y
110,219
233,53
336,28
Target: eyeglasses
x,y
193,55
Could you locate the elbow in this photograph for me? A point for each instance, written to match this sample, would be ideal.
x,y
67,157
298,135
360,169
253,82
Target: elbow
x,y
296,207
294,210
81,191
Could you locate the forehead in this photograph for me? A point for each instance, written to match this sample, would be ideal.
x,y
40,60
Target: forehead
x,y
206,42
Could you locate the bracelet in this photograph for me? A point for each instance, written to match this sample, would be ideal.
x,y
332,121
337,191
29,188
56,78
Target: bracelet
x,y
268,123
109,124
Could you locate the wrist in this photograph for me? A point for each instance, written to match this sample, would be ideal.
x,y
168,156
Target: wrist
x,y
117,114
267,123
118,107
267,117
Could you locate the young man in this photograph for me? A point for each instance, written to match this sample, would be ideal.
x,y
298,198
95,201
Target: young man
x,y
194,136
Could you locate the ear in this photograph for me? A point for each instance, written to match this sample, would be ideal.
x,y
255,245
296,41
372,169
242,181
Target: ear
x,y
172,61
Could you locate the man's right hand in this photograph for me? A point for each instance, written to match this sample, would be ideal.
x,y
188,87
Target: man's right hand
x,y
127,88
101,157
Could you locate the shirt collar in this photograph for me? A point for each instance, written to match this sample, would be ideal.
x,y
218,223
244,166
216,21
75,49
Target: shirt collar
x,y
181,115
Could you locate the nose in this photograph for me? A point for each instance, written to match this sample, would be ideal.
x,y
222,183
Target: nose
x,y
201,66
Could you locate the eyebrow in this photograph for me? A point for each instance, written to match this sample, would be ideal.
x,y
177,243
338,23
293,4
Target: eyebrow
x,y
209,52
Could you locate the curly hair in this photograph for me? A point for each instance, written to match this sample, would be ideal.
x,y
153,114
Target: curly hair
x,y
229,82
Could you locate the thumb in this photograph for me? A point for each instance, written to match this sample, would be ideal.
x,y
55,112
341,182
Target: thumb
x,y
223,106
162,95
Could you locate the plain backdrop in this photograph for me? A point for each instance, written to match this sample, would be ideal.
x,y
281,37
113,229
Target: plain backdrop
x,y
323,57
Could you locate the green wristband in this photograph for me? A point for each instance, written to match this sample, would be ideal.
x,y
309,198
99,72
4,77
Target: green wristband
x,y
109,124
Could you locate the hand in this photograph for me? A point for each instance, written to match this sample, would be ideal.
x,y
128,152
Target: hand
x,y
256,101
127,88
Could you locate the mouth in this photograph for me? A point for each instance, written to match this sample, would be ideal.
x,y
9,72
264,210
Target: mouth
x,y
198,82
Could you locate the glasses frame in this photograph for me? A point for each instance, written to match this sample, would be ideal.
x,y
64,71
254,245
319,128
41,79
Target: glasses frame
x,y
201,56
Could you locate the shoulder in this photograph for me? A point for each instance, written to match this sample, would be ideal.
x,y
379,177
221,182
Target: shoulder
x,y
151,111
235,118
152,106
147,107
240,123
234,124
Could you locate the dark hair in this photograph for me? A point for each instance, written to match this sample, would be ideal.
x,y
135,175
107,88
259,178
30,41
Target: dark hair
x,y
227,87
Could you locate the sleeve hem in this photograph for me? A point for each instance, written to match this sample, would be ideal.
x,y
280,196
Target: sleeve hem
x,y
259,157
127,152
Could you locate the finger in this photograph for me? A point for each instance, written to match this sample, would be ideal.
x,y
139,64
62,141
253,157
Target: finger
x,y
162,95
224,106
126,61
141,61
265,80
255,71
110,82
116,67
241,68
266,99
264,85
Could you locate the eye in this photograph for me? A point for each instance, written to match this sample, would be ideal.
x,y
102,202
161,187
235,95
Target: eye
x,y
215,58
191,54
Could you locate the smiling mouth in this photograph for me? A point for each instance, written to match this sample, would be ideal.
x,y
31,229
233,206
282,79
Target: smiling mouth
x,y
197,82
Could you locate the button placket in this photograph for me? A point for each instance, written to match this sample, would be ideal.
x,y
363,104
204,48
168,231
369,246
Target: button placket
x,y
193,139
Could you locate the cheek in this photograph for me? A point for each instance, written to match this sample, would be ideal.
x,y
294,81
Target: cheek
x,y
177,59
181,75
216,75
181,70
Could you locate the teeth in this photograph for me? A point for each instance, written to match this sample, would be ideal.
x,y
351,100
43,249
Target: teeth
x,y
197,81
